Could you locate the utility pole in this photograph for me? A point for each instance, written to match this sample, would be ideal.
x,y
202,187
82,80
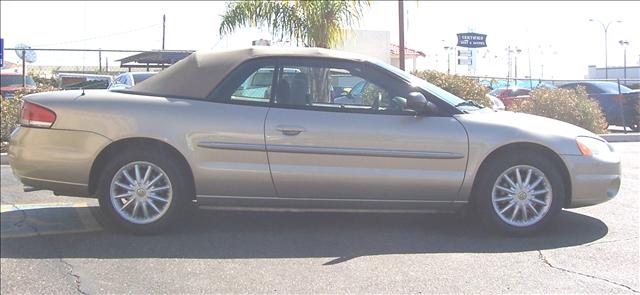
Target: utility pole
x,y
401,32
624,44
100,60
448,51
164,22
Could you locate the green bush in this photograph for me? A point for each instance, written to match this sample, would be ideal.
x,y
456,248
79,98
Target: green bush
x,y
10,109
461,86
571,106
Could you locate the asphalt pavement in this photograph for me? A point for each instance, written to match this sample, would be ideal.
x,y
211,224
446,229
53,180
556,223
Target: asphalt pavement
x,y
62,245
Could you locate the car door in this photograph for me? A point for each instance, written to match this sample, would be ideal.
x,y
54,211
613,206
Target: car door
x,y
322,150
229,147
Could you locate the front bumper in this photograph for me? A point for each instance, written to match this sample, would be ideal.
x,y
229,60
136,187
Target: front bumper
x,y
594,180
53,159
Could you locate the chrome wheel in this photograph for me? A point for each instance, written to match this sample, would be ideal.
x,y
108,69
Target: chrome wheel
x,y
521,195
141,192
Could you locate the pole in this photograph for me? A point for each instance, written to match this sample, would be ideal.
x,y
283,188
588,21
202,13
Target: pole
x,y
515,71
401,31
99,61
164,22
449,62
625,65
530,81
24,69
606,56
620,103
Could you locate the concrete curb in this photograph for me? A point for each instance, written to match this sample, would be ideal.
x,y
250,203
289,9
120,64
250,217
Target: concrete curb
x,y
4,159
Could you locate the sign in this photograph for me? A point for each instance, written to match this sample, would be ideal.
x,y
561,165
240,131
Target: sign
x,y
1,52
463,62
472,40
467,53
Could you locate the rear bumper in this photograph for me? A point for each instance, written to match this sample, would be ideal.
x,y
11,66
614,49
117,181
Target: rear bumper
x,y
57,160
594,180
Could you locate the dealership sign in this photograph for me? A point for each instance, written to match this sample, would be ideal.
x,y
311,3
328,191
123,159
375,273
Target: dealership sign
x,y
472,40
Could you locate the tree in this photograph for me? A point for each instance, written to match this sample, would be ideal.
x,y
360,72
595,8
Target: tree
x,y
318,23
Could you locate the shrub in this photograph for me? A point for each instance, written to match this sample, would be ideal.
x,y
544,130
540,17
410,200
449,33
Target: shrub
x,y
461,86
571,106
10,109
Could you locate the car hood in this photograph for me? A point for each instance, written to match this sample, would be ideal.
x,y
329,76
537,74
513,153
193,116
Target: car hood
x,y
505,127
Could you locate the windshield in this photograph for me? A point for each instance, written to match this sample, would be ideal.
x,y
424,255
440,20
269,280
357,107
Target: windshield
x,y
11,80
424,85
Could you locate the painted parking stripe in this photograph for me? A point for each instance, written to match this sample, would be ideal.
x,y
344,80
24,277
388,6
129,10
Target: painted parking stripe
x,y
22,220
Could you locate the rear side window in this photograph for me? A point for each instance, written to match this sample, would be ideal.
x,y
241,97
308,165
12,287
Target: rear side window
x,y
251,82
256,88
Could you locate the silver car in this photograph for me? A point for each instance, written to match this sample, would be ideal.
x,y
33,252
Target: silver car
x,y
194,134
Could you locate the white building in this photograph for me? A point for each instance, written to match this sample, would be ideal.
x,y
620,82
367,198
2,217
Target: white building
x,y
371,43
633,73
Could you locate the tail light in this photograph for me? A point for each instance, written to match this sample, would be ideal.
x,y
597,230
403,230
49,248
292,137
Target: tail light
x,y
34,115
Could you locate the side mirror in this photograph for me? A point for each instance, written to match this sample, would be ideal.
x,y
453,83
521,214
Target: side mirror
x,y
417,102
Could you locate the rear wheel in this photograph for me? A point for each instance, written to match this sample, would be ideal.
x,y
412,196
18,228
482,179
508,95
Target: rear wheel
x,y
144,192
520,194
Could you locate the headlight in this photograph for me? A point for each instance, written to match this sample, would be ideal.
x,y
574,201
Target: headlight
x,y
590,146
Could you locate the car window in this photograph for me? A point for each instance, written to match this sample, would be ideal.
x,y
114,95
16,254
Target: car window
x,y
521,92
255,88
357,89
137,78
313,86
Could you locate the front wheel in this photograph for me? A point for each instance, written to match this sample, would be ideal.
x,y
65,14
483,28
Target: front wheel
x,y
144,192
520,194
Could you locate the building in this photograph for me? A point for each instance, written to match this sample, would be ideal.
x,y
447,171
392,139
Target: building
x,y
409,54
371,43
633,73
377,44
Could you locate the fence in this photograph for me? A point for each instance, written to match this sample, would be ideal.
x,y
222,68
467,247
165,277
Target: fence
x,y
50,63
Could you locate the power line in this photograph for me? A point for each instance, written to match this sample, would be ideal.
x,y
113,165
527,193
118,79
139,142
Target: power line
x,y
99,37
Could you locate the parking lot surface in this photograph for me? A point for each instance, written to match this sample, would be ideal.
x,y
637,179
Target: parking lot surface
x,y
62,245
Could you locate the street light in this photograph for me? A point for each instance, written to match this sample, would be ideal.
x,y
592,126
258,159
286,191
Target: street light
x,y
448,51
605,28
624,44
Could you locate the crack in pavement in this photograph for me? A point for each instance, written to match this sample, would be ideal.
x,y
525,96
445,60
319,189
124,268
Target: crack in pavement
x,y
610,241
23,222
545,261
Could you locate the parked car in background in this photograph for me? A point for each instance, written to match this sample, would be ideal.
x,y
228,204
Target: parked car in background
x,y
129,79
498,105
69,81
614,101
12,82
185,137
511,94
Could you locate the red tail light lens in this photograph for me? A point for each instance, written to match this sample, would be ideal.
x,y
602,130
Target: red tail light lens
x,y
34,115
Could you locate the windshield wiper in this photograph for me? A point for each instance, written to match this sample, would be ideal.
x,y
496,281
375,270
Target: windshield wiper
x,y
469,103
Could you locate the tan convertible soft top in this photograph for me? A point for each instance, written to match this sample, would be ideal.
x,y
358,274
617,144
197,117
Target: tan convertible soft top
x,y
198,74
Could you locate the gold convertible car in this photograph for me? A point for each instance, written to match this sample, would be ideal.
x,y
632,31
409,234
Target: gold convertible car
x,y
265,127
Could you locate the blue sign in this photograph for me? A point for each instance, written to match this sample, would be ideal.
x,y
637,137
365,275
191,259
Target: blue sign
x,y
1,52
472,40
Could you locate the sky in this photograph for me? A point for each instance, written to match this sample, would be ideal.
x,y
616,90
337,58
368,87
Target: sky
x,y
556,38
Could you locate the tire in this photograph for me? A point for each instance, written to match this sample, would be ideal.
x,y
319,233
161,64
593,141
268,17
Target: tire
x,y
540,207
161,197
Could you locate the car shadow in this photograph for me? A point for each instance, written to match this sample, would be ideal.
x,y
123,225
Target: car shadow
x,y
236,235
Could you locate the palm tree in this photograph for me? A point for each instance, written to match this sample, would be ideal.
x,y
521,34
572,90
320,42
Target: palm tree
x,y
317,23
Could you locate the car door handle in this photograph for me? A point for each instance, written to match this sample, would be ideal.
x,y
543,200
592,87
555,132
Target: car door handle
x,y
290,130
